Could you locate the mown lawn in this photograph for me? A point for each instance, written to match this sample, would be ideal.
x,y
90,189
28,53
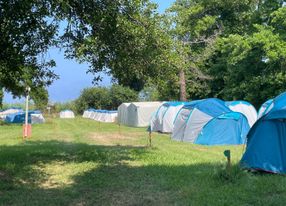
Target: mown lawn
x,y
83,162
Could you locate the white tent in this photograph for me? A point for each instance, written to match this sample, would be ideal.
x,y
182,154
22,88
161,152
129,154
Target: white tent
x,y
108,116
6,112
265,108
92,114
37,118
194,116
163,120
139,113
66,114
87,113
111,116
245,108
123,113
104,115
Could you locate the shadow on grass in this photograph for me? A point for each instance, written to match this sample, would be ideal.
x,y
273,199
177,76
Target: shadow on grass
x,y
108,175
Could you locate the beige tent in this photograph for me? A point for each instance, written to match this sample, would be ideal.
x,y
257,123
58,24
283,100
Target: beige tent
x,y
66,114
122,113
138,114
37,118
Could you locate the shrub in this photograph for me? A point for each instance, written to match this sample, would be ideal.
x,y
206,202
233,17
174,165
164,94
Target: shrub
x,y
120,94
59,106
104,98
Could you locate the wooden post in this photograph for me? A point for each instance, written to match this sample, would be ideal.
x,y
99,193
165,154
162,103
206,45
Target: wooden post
x,y
227,155
119,129
150,138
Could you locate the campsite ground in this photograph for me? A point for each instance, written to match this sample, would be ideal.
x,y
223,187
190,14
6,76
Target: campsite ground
x,y
83,162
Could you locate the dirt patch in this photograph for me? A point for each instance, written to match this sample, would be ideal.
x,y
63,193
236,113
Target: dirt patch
x,y
116,138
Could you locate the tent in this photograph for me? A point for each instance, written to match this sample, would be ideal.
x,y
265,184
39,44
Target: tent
x,y
266,140
102,115
66,114
123,113
11,110
33,117
87,113
265,107
163,119
37,118
194,116
107,116
92,114
227,129
138,114
245,108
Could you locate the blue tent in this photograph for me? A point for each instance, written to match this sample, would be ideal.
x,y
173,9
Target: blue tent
x,y
266,141
163,119
227,129
265,107
19,117
194,116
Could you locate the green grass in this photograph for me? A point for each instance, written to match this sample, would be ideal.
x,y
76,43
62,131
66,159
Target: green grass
x,y
83,162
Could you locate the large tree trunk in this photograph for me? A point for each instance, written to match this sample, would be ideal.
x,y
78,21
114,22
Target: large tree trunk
x,y
183,86
1,97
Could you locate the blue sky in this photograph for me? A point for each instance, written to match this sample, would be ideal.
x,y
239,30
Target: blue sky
x,y
73,76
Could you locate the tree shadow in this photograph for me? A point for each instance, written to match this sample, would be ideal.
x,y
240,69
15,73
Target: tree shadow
x,y
108,175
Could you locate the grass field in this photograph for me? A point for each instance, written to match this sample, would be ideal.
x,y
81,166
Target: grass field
x,y
83,162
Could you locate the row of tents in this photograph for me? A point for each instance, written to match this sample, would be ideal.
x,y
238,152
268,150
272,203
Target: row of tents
x,y
100,115
208,121
215,122
17,115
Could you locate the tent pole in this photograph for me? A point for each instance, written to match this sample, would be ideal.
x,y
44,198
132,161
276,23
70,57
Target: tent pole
x,y
150,139
119,128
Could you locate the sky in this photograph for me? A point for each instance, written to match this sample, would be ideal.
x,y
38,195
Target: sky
x,y
72,75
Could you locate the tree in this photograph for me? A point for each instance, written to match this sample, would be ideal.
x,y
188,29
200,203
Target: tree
x,y
251,66
121,38
95,97
104,98
25,34
120,94
40,97
195,27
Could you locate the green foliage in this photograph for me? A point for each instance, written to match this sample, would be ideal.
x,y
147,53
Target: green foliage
x,y
95,97
231,175
104,98
26,32
228,49
40,98
121,38
149,93
119,94
251,66
60,106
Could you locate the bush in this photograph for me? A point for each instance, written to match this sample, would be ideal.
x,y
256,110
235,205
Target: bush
x,y
59,106
40,97
104,98
120,94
